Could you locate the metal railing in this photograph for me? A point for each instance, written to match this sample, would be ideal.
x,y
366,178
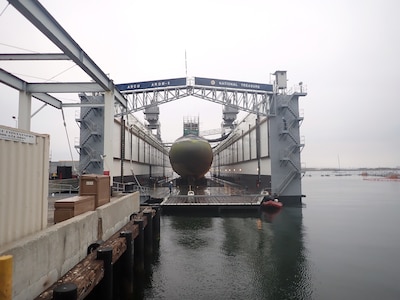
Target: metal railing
x,y
58,188
131,187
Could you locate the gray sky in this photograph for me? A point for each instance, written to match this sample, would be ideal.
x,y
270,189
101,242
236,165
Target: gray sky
x,y
345,52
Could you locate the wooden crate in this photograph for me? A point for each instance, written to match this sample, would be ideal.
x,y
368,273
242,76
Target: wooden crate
x,y
67,208
97,186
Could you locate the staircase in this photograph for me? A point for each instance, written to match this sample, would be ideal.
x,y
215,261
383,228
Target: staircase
x,y
288,145
91,135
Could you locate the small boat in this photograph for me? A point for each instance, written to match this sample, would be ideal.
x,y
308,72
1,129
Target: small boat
x,y
273,205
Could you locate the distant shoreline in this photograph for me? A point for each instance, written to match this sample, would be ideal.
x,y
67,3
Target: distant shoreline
x,y
352,169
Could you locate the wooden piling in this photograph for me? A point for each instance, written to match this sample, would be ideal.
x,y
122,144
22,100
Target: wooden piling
x,y
148,232
106,254
156,225
66,291
139,247
88,273
126,275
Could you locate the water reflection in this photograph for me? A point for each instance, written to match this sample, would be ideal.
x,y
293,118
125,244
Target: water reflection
x,y
191,231
269,216
288,275
253,257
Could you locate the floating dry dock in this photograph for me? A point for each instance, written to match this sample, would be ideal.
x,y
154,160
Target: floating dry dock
x,y
210,203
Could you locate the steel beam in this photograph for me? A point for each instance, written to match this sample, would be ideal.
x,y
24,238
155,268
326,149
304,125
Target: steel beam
x,y
44,21
250,101
63,87
83,105
21,85
46,98
34,56
12,81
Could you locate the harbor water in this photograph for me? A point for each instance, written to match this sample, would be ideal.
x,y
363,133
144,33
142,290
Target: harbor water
x,y
344,243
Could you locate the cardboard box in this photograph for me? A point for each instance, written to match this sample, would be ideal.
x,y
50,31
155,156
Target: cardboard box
x,y
97,186
67,208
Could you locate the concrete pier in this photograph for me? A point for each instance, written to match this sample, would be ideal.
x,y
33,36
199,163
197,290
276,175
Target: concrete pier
x,y
43,258
96,269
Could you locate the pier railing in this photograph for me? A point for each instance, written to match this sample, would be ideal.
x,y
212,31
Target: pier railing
x,y
131,187
58,188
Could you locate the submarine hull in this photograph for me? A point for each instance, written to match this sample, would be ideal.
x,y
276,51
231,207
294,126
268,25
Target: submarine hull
x,y
191,157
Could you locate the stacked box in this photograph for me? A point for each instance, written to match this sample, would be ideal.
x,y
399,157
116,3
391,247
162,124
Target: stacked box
x,y
97,186
67,208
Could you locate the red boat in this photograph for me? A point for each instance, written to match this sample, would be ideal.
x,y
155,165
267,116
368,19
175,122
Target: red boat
x,y
271,204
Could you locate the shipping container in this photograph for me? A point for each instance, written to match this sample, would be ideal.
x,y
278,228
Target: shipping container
x,y
24,169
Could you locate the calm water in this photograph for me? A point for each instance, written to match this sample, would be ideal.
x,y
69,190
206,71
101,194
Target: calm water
x,y
344,244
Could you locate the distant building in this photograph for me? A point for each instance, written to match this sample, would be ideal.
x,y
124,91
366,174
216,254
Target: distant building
x,y
62,169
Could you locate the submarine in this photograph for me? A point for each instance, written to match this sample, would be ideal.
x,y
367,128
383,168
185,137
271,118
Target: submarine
x,y
190,155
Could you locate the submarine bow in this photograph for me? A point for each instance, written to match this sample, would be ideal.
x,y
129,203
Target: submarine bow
x,y
191,156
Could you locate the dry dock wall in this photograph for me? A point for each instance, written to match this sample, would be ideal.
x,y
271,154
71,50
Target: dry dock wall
x,y
40,259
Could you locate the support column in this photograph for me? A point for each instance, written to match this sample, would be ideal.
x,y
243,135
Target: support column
x,y
284,141
258,150
24,110
108,134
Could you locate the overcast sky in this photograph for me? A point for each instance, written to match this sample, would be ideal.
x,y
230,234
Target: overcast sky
x,y
345,52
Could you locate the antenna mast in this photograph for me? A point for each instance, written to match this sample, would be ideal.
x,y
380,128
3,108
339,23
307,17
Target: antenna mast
x,y
185,63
